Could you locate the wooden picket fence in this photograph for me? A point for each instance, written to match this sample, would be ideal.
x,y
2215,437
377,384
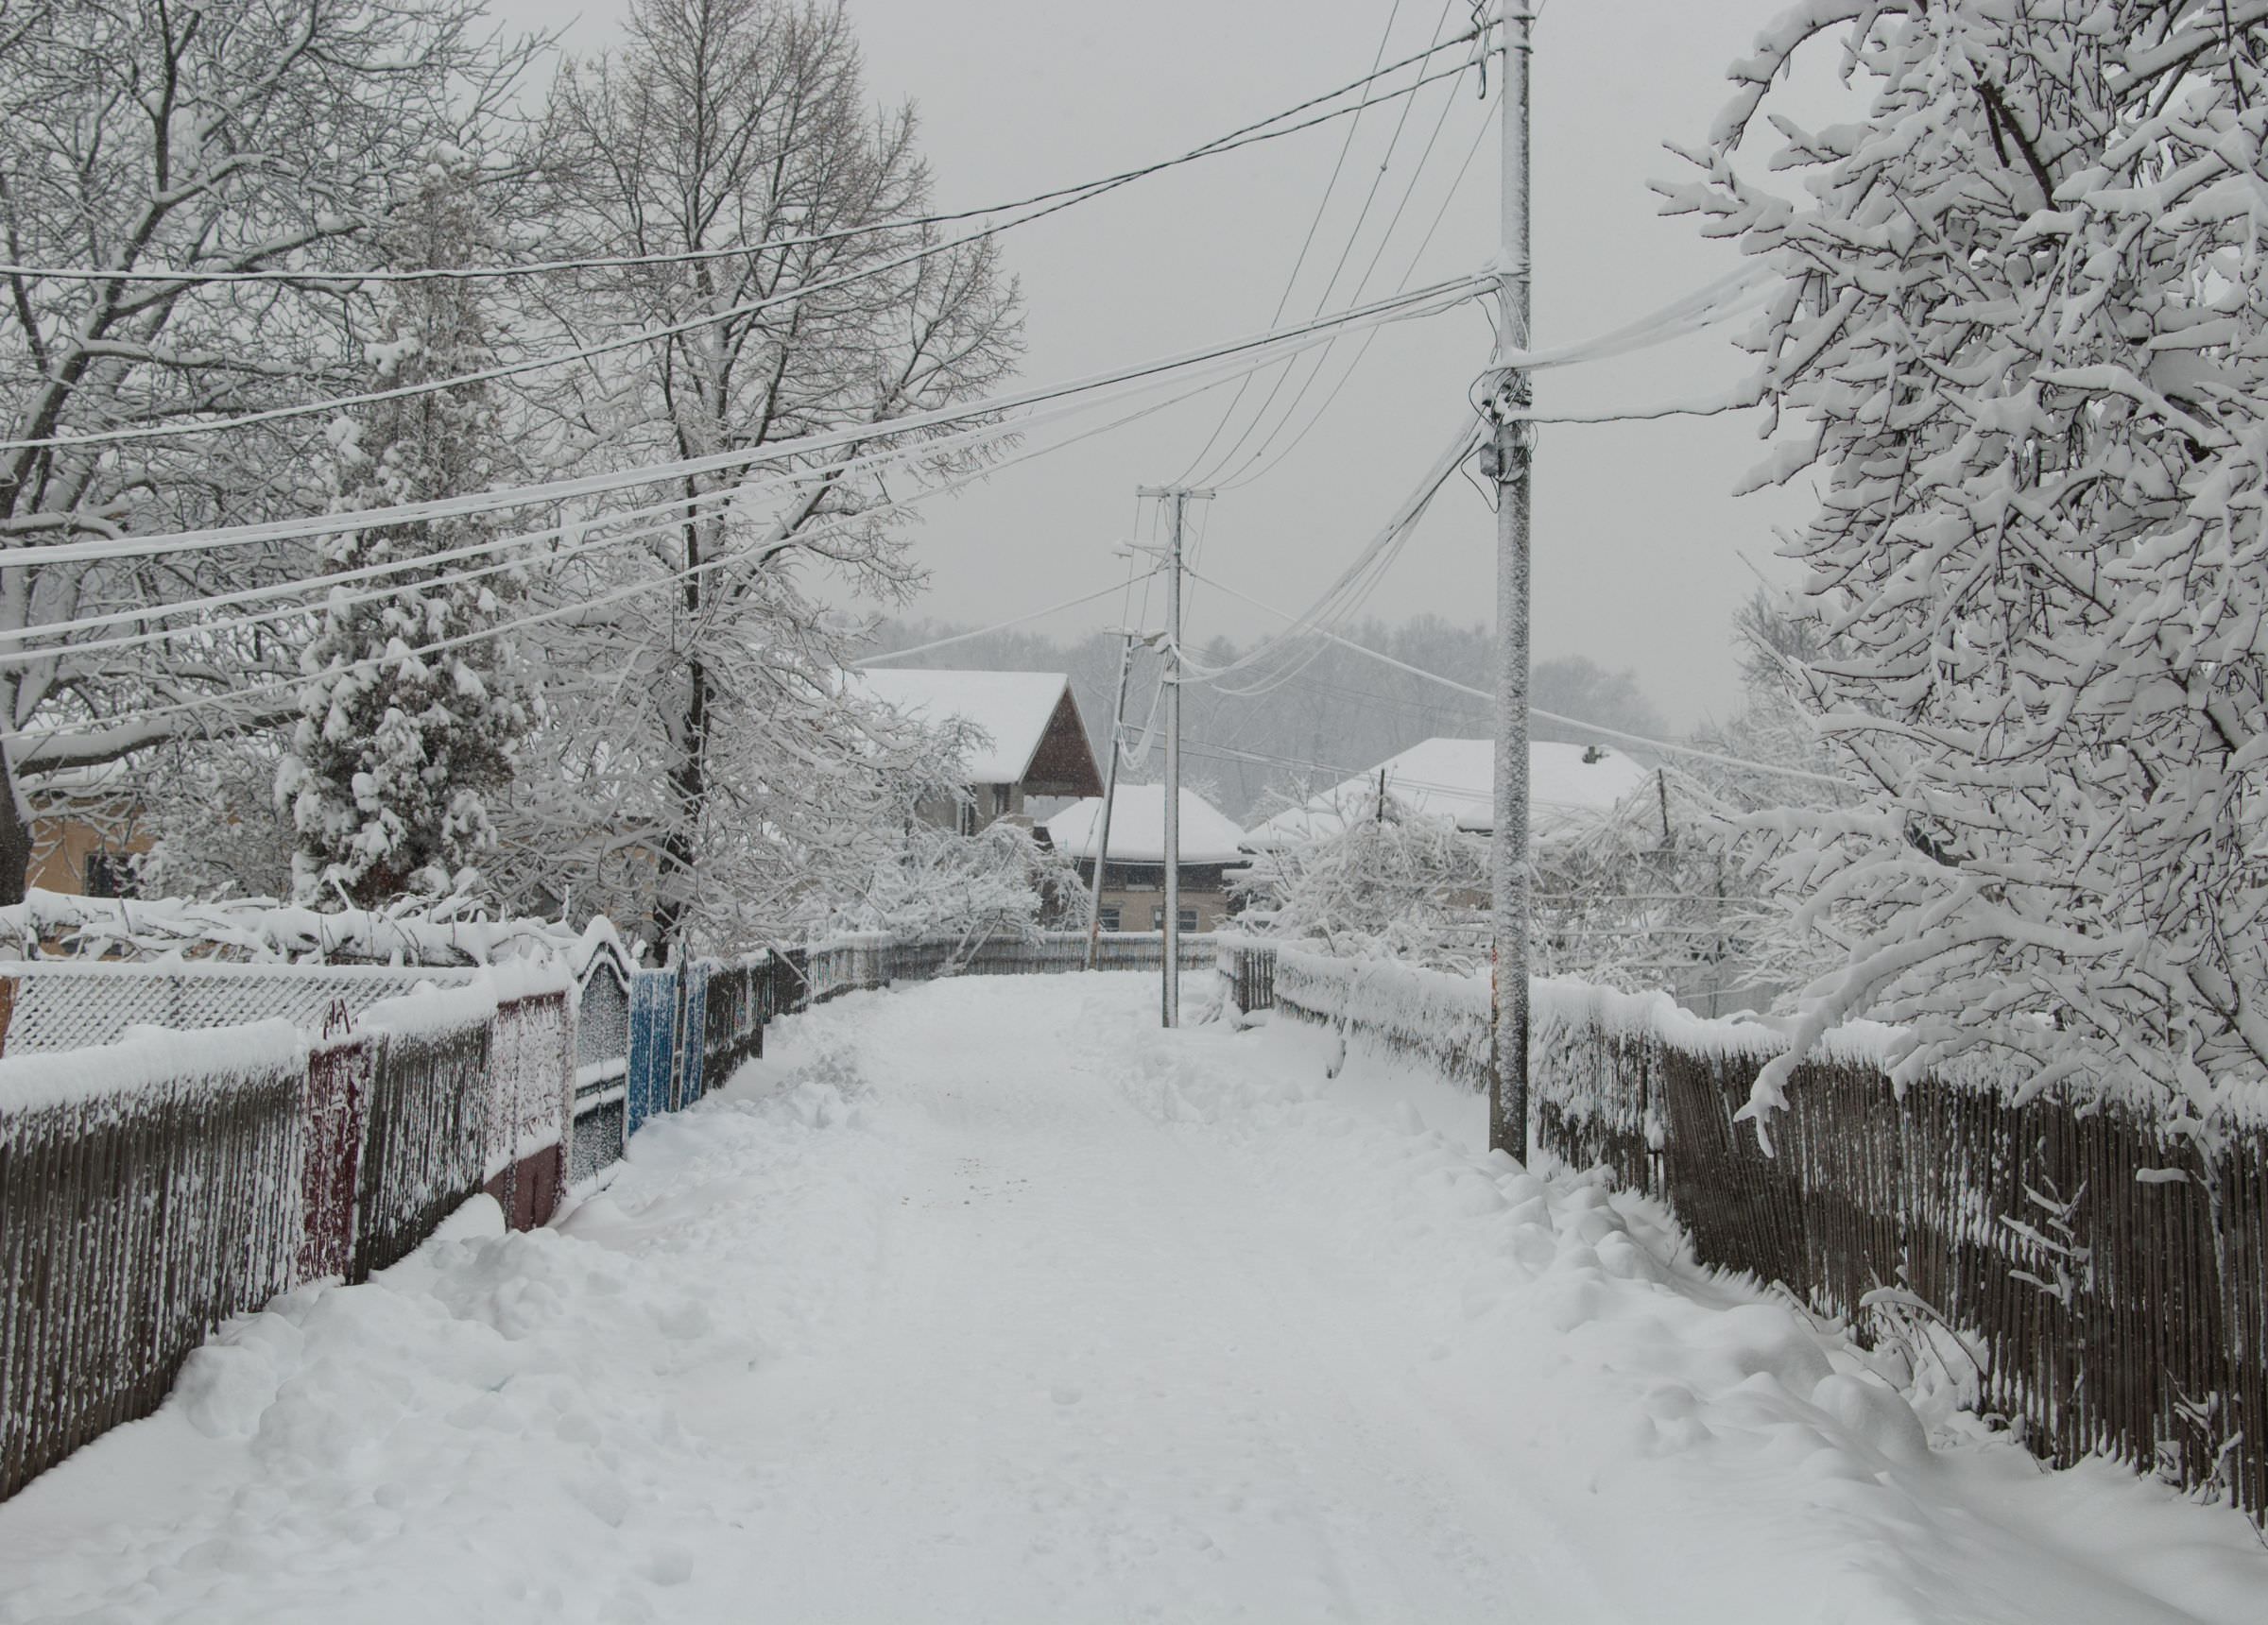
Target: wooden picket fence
x,y
2103,1275
152,1187
132,1221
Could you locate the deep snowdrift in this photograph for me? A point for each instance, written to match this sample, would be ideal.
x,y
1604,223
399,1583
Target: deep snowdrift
x,y
986,1301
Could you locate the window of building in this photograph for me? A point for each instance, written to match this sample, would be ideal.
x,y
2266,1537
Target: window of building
x,y
110,875
965,821
1108,914
1004,797
1186,919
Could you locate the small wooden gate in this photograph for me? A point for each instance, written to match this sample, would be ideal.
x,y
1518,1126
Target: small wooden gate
x,y
338,1089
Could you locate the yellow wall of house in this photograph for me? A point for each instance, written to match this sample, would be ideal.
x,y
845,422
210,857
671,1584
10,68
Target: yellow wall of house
x,y
61,847
1137,906
946,815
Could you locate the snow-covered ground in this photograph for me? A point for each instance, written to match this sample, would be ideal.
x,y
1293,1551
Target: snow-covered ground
x,y
985,1301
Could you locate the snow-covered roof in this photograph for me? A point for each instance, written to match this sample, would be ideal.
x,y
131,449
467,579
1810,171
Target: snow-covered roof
x,y
1455,779
1012,709
1138,828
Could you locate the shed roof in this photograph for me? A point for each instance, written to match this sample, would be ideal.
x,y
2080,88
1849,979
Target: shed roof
x,y
1138,828
1030,725
1455,779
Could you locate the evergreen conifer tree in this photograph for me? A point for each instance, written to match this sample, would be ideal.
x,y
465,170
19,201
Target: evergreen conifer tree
x,y
398,757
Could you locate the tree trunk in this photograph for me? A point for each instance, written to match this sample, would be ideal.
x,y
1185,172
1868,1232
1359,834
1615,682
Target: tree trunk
x,y
689,789
15,838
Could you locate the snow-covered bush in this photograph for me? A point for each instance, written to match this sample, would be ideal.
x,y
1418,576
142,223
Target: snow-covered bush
x,y
1443,1017
2018,340
997,882
1653,893
1392,883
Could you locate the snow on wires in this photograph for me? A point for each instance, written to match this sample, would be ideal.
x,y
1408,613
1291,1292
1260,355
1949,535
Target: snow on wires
x,y
1271,128
1421,302
550,361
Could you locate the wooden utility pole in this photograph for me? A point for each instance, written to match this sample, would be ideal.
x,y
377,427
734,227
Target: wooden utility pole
x,y
1512,447
1102,828
1177,499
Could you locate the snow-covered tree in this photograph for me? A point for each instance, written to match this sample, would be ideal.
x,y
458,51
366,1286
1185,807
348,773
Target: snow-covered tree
x,y
211,804
997,883
140,136
398,756
739,133
810,786
1393,884
2018,341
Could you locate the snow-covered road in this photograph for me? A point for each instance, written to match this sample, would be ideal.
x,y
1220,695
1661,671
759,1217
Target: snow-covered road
x,y
985,1301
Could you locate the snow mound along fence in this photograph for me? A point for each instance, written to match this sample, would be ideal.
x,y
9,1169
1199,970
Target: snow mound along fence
x,y
158,1180
865,961
2095,1275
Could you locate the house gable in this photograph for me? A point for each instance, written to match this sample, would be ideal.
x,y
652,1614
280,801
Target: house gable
x,y
1063,764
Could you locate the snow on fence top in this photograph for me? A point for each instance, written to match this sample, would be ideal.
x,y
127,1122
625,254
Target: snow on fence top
x,y
1455,779
265,932
145,1057
1138,828
1447,1018
429,1010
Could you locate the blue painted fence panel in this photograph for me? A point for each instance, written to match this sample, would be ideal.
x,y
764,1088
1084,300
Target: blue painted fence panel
x,y
693,1048
653,1045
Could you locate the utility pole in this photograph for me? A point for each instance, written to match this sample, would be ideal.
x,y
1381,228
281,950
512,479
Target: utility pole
x,y
1512,449
1178,499
1102,832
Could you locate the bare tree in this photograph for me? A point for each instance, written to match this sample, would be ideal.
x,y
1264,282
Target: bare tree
x,y
743,126
151,136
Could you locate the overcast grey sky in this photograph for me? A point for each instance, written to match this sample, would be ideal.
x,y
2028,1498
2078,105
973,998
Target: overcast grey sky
x,y
1639,542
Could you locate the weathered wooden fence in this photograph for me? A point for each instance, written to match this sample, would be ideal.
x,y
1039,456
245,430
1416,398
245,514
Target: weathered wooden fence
x,y
2108,1273
151,1188
145,1194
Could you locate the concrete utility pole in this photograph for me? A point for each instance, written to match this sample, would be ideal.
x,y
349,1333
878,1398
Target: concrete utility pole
x,y
1511,450
1178,499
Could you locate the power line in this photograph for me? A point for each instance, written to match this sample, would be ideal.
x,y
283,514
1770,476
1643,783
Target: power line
x,y
237,696
1219,466
1416,257
1451,292
1614,733
986,631
1242,136
587,352
1339,601
1298,261
677,510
